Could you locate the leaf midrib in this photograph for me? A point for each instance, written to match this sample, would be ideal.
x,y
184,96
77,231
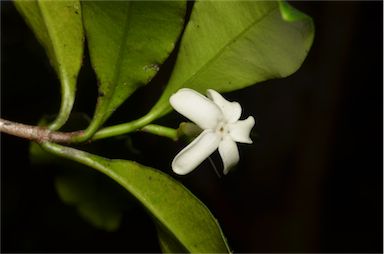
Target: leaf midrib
x,y
227,45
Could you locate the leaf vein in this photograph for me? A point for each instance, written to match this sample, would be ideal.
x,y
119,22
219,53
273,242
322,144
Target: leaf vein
x,y
227,45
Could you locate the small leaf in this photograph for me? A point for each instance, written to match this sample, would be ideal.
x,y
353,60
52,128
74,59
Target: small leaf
x,y
58,27
97,201
128,41
229,45
184,219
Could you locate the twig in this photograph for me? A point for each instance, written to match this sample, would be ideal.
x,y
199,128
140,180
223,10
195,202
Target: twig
x,y
35,133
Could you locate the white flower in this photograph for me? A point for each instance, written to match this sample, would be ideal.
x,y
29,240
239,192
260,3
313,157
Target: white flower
x,y
221,126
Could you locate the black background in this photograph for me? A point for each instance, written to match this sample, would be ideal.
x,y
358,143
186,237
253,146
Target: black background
x,y
312,181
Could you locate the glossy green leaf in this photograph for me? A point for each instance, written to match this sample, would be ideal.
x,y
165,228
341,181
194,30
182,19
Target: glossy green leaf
x,y
58,27
128,41
229,45
183,217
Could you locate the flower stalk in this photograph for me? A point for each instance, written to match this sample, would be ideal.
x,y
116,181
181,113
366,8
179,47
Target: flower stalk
x,y
161,131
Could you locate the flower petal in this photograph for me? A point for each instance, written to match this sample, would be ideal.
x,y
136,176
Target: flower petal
x,y
196,107
241,129
231,110
196,152
229,153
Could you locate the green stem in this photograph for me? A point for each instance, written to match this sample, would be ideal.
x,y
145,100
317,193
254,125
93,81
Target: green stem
x,y
123,128
120,129
161,131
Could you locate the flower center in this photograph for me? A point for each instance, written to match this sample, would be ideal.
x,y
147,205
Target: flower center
x,y
222,129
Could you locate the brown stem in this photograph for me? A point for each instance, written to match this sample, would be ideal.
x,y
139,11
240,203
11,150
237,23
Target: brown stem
x,y
35,133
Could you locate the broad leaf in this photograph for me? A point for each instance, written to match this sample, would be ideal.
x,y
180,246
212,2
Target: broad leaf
x,y
182,217
128,41
58,27
229,45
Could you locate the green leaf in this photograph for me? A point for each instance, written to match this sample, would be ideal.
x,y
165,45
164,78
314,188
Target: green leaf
x,y
184,219
128,41
58,27
229,45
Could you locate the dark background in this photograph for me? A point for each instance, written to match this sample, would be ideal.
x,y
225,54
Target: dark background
x,y
312,181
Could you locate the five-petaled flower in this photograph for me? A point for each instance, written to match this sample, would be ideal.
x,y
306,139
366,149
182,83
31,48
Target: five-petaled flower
x,y
221,126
